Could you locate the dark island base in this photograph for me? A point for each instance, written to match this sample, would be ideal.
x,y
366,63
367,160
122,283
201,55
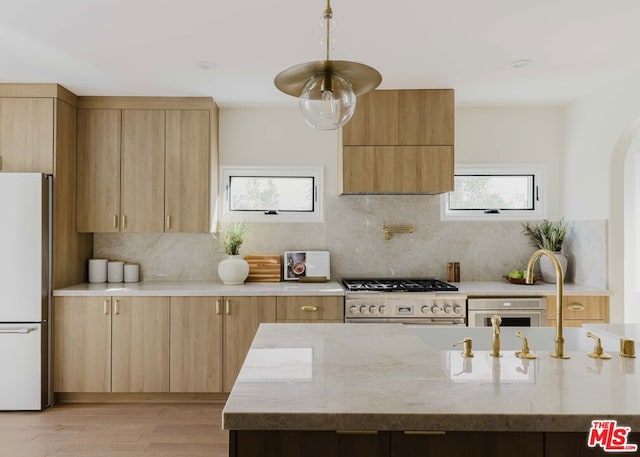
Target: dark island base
x,y
249,443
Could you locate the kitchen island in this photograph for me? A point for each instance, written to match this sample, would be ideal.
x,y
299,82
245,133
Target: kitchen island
x,y
360,389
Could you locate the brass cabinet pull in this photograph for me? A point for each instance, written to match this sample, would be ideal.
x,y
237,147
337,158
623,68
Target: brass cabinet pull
x,y
106,307
124,221
356,432
309,308
168,222
115,221
115,307
227,307
576,307
218,306
425,432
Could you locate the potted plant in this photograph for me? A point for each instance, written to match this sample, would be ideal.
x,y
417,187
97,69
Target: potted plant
x,y
234,269
550,236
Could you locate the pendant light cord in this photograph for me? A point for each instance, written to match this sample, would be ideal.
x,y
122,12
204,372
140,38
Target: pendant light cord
x,y
328,14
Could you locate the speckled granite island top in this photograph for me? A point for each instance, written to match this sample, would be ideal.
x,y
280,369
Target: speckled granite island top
x,y
383,377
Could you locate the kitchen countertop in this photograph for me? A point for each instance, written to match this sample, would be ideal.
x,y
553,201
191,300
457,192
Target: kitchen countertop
x,y
177,288
383,377
193,289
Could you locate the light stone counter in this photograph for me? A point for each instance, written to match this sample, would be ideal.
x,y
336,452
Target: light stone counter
x,y
504,288
382,377
193,289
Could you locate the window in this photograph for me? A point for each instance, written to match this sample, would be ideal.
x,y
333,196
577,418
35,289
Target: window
x,y
271,194
495,192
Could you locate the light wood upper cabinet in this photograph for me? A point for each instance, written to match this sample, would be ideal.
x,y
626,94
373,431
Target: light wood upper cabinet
x,y
196,344
82,344
375,120
242,316
98,179
400,141
187,175
142,188
140,344
397,169
426,117
26,134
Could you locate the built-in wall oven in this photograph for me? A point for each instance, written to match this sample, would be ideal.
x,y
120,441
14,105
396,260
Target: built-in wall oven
x,y
404,301
514,311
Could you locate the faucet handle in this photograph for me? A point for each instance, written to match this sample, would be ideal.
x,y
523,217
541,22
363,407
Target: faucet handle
x,y
525,353
598,352
468,344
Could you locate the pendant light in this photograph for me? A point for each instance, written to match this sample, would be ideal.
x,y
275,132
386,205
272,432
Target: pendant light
x,y
327,89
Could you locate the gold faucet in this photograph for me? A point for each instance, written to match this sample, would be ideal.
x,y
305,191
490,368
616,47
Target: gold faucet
x,y
559,339
598,351
495,323
525,353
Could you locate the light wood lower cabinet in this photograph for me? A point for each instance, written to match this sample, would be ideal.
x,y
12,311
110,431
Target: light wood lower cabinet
x,y
82,344
578,310
310,309
140,344
242,316
108,344
196,344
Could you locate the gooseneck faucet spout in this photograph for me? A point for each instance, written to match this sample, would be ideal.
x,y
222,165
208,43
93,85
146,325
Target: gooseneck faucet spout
x,y
495,323
559,339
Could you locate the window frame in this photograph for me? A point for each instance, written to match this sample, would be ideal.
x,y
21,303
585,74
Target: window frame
x,y
539,211
315,216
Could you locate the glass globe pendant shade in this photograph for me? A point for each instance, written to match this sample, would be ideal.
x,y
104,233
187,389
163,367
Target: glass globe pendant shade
x,y
327,101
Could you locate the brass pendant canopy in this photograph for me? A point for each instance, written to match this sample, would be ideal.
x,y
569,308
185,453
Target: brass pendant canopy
x,y
363,78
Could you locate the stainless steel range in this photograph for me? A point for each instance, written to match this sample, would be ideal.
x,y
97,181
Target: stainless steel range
x,y
405,301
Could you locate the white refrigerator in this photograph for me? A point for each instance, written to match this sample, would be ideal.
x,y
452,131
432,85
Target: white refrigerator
x,y
25,290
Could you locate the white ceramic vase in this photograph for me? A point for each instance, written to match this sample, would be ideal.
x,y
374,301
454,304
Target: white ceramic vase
x,y
233,270
547,269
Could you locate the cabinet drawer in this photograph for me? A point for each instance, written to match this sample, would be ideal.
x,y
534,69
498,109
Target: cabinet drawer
x,y
591,308
309,309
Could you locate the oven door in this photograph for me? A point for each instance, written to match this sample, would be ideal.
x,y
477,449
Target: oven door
x,y
510,318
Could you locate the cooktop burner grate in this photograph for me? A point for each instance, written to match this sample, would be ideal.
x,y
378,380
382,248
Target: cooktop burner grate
x,y
398,285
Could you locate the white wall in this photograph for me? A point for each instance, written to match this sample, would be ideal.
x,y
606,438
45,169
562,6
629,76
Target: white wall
x,y
515,135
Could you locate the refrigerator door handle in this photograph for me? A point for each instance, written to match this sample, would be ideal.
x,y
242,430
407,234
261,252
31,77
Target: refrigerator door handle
x,y
24,330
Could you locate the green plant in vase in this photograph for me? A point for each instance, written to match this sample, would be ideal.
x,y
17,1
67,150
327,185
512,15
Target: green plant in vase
x,y
234,269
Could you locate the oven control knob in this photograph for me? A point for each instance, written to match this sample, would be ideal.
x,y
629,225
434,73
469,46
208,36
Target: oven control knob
x,y
363,309
457,309
382,309
372,309
435,309
447,309
353,309
425,309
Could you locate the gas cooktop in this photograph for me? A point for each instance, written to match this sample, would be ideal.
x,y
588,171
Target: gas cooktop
x,y
397,285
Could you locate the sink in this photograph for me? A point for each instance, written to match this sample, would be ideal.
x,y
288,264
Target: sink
x,y
541,339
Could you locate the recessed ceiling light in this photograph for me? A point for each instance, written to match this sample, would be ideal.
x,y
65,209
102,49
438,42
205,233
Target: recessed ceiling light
x,y
206,65
521,63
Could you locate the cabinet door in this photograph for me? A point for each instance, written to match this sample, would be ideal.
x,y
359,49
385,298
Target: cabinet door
x,y
426,117
196,344
578,310
393,169
140,349
187,175
310,309
98,188
242,316
26,134
142,190
375,120
82,344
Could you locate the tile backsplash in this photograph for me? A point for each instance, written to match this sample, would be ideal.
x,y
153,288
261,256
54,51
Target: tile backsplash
x,y
351,231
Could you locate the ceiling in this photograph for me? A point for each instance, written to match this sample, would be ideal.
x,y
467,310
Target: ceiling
x,y
154,47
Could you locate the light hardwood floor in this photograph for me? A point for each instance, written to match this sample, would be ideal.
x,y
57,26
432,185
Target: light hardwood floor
x,y
118,430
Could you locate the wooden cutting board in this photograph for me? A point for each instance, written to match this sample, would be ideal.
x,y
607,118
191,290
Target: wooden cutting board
x,y
264,268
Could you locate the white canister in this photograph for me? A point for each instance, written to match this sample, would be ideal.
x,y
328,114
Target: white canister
x,y
131,272
115,271
98,270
